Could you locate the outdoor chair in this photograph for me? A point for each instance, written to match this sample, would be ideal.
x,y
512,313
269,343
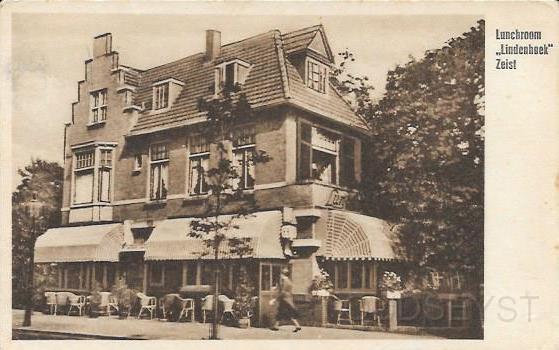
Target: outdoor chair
x,y
187,305
147,303
207,306
369,305
78,302
108,302
227,307
342,309
51,302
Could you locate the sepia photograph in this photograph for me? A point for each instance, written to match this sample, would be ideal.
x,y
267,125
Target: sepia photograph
x,y
262,187
240,177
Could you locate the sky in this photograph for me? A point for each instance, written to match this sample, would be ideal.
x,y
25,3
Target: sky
x,y
49,50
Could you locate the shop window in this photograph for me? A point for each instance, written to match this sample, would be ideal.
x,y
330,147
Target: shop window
x,y
99,274
207,275
191,272
356,275
159,165
341,275
72,276
270,276
157,274
352,275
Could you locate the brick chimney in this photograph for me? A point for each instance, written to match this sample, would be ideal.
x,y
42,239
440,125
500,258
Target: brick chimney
x,y
213,44
102,44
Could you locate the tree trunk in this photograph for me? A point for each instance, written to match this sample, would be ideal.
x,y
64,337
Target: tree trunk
x,y
31,272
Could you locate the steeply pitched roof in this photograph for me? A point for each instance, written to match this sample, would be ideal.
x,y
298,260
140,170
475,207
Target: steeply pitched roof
x,y
272,80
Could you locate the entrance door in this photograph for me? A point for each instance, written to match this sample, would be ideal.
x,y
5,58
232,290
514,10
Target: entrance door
x,y
269,273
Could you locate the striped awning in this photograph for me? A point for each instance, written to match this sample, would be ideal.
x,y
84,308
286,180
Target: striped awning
x,y
80,243
260,232
347,235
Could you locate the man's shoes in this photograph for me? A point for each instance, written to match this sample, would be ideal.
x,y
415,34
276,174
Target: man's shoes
x,y
274,328
297,329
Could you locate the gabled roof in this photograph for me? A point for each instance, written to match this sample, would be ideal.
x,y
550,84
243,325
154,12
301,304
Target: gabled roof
x,y
272,80
302,39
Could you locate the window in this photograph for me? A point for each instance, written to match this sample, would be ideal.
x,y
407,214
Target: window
x,y
159,157
325,156
127,98
229,74
161,96
90,169
98,104
105,170
206,278
199,159
191,272
138,162
243,158
352,275
157,274
436,279
317,75
270,276
83,177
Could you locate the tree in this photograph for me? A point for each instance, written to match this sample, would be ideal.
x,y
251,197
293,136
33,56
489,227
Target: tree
x,y
425,160
226,192
427,156
41,180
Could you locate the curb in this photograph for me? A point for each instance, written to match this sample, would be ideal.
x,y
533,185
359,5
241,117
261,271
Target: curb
x,y
26,334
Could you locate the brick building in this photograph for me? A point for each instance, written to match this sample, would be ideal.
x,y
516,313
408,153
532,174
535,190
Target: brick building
x,y
132,181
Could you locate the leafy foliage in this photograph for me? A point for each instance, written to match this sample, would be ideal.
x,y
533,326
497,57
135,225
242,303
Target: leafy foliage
x,y
244,294
425,162
226,113
43,180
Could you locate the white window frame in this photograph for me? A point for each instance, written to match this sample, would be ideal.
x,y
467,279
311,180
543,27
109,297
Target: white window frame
x,y
138,162
155,163
323,73
220,74
159,96
95,167
96,108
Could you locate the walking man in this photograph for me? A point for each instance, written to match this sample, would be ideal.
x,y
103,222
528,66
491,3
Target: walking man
x,y
286,307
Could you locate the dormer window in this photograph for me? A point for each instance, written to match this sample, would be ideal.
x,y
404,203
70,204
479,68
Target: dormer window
x,y
317,75
229,74
161,96
165,92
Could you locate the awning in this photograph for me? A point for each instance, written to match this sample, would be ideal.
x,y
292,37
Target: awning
x,y
347,235
80,243
170,239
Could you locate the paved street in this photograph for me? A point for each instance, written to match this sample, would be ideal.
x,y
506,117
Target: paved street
x,y
153,329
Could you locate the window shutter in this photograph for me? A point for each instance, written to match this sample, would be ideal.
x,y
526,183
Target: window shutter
x,y
305,151
347,163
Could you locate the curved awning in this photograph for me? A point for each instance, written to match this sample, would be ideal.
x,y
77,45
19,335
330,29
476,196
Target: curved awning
x,y
80,243
347,235
170,239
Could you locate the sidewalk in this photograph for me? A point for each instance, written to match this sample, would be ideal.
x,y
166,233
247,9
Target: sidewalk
x,y
153,329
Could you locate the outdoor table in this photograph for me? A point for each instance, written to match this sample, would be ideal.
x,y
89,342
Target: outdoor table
x,y
196,292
